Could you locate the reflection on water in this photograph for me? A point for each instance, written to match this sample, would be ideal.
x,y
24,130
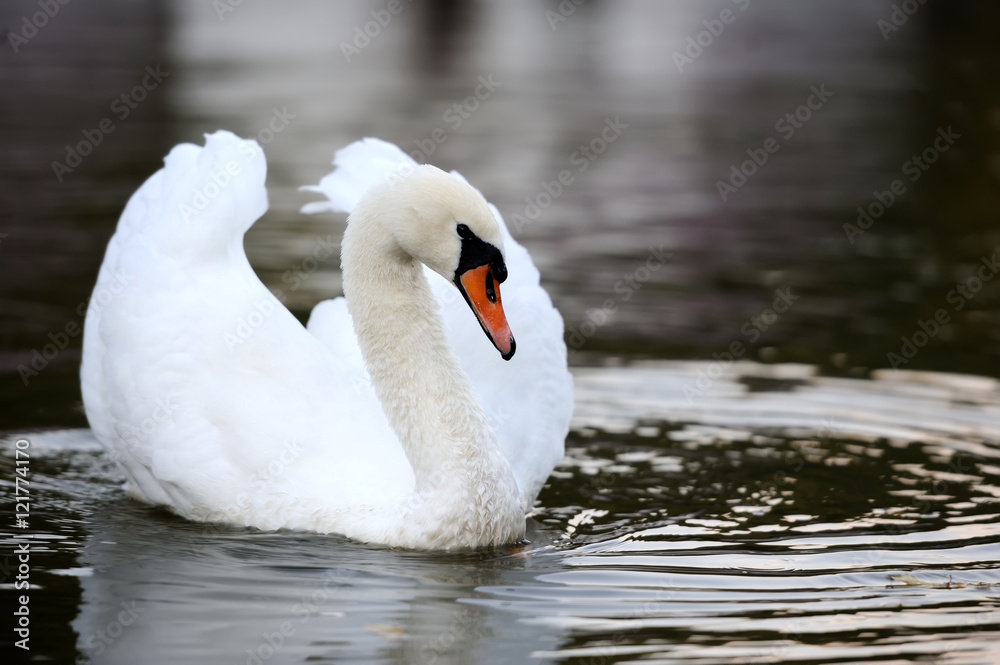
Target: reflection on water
x,y
777,517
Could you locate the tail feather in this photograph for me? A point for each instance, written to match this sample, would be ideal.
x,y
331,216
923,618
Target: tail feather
x,y
203,194
358,167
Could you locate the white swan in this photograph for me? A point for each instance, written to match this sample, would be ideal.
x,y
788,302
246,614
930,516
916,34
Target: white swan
x,y
218,403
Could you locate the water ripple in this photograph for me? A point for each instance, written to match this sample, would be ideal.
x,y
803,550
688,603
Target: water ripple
x,y
779,517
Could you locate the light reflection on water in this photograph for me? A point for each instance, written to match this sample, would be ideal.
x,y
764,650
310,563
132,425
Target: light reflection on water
x,y
796,522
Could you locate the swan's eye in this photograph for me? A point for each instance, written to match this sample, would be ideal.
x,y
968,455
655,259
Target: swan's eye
x,y
490,290
465,232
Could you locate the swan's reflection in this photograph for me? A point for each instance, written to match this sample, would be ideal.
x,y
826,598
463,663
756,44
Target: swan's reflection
x,y
167,590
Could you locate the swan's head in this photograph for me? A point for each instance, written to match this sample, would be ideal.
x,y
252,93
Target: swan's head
x,y
448,226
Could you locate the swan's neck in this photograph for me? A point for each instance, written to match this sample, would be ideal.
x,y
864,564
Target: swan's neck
x,y
465,494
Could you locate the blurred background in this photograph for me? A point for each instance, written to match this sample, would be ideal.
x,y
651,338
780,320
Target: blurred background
x,y
668,240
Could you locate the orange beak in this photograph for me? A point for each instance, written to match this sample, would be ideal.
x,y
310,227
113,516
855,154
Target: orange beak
x,y
482,292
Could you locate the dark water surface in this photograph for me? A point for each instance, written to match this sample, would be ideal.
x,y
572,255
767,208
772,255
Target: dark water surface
x,y
796,523
815,508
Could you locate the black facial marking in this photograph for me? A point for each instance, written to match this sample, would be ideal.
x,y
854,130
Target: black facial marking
x,y
477,252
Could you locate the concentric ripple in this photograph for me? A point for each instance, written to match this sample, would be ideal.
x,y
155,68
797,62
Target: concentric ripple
x,y
823,520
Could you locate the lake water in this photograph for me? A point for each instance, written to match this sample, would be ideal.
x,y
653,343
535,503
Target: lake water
x,y
776,517
802,503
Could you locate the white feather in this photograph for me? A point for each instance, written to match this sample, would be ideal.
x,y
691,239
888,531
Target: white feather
x,y
216,402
